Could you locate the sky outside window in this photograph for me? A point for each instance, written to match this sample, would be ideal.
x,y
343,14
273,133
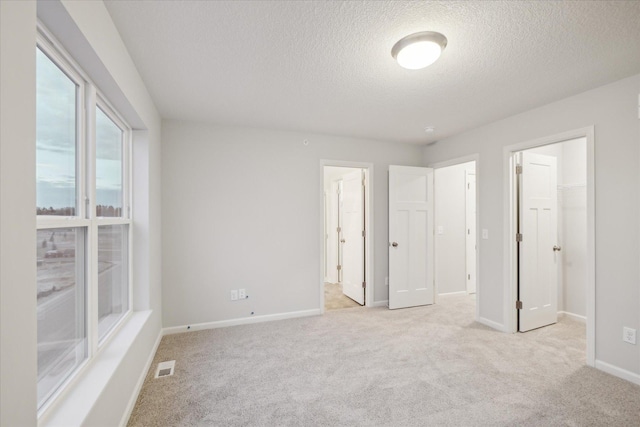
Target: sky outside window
x,y
108,166
55,139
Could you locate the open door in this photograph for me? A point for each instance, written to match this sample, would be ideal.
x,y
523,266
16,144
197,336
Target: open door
x,y
410,236
353,236
538,254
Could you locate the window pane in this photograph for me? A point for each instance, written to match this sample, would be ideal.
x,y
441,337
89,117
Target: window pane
x,y
113,276
55,139
62,335
108,166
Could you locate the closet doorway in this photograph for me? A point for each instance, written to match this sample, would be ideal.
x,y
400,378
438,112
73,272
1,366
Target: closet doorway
x,y
551,210
550,234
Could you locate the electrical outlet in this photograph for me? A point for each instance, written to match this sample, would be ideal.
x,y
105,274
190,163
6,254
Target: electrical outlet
x,y
234,295
242,294
485,233
629,335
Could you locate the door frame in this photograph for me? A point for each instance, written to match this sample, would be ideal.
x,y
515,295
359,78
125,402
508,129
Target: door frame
x,y
452,162
509,227
368,224
467,174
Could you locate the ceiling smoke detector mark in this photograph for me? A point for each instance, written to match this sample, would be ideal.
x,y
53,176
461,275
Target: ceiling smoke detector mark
x,y
165,369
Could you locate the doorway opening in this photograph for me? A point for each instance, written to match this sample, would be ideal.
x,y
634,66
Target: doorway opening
x,y
456,234
551,235
346,237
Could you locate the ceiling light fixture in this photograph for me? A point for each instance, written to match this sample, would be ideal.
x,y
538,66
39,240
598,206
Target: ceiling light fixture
x,y
419,50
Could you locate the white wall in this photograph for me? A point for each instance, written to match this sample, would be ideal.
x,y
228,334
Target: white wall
x,y
573,207
613,110
86,30
450,214
17,215
227,229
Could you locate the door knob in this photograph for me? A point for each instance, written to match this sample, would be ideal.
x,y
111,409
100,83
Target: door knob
x,y
342,241
557,248
394,244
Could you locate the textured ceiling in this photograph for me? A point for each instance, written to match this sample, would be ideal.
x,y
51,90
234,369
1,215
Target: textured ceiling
x,y
326,67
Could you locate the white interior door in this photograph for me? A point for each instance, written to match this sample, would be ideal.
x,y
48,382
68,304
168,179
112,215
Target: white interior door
x,y
332,238
410,236
470,218
538,257
339,211
352,224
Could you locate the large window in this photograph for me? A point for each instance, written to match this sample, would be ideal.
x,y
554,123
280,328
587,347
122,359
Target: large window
x,y
83,218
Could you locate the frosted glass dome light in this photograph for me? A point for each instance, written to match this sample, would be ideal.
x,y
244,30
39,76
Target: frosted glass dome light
x,y
419,50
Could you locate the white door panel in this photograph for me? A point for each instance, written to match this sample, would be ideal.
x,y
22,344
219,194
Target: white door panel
x,y
352,236
332,251
538,261
410,236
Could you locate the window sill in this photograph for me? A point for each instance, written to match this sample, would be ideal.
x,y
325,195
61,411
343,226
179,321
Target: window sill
x,y
74,404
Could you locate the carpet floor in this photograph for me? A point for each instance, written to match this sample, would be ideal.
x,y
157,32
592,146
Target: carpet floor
x,y
377,367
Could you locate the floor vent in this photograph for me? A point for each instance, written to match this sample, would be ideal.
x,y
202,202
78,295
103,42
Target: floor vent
x,y
165,369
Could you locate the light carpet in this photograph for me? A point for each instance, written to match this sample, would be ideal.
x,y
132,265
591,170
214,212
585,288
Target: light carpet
x,y
377,367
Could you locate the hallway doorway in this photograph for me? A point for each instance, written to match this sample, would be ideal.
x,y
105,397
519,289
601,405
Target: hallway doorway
x,y
455,231
345,237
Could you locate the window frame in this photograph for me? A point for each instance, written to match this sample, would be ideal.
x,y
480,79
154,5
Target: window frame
x,y
125,219
46,46
88,100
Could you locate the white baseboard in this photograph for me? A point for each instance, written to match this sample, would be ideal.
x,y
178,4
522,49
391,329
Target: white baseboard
x,y
490,323
143,375
240,321
383,303
618,372
579,318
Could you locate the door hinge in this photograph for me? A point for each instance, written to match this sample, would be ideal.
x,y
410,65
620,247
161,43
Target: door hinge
x,y
364,285
339,229
362,233
468,277
518,237
519,169
518,305
339,267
